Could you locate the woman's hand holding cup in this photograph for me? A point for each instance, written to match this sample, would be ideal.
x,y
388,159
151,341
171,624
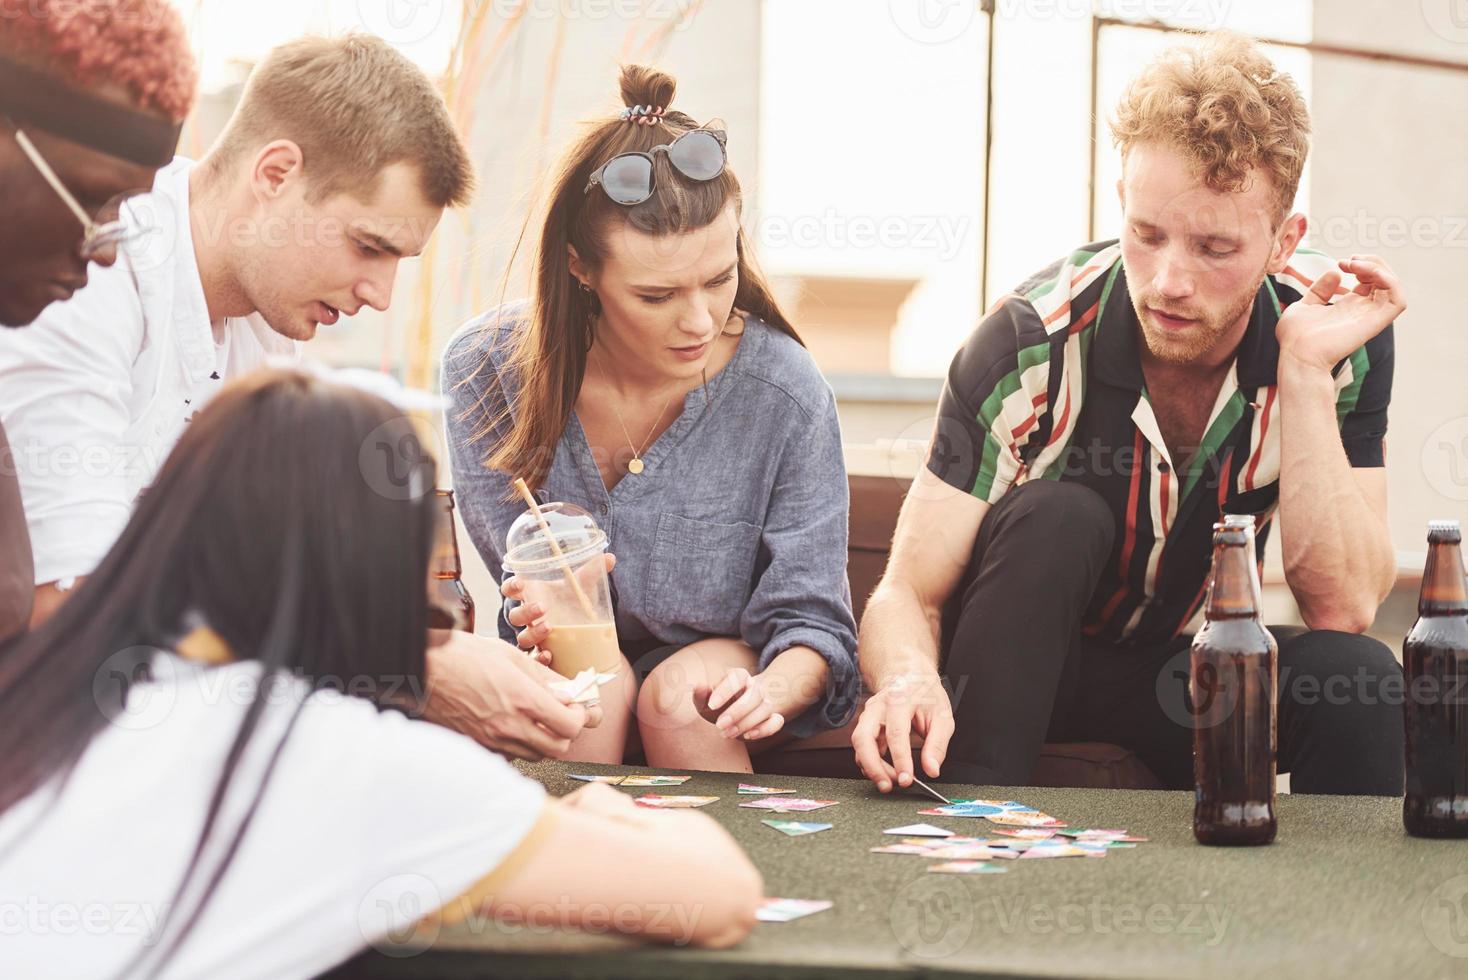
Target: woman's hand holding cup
x,y
528,618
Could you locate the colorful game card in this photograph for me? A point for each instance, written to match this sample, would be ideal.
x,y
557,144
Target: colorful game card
x,y
919,830
747,790
970,852
794,828
781,804
1106,835
642,779
954,841
659,802
1057,850
967,868
1028,833
787,909
1017,818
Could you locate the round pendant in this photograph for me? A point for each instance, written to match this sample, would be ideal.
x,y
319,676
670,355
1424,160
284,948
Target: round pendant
x,y
635,467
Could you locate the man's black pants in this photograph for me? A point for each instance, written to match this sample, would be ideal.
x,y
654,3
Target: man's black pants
x,y
1022,674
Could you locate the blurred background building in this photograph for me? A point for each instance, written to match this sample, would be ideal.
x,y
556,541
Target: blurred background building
x,y
907,162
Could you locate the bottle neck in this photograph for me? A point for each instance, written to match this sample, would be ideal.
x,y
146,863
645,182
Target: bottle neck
x,y
1444,585
444,562
1234,590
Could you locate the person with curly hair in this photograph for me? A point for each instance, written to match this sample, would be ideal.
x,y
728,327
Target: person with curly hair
x,y
1099,422
91,99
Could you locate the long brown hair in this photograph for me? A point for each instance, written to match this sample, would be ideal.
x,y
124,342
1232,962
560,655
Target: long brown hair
x,y
549,356
286,520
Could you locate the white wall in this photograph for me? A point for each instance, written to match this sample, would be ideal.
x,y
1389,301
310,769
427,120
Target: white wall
x,y
1390,164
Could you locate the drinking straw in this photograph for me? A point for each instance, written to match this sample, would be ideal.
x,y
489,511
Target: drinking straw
x,y
556,548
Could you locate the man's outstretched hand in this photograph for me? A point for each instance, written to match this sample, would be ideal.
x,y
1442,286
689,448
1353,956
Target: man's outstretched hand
x,y
907,703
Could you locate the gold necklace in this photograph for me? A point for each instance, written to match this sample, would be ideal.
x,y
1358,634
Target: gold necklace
x,y
635,466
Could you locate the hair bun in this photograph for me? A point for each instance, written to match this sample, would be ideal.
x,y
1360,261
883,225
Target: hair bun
x,y
644,85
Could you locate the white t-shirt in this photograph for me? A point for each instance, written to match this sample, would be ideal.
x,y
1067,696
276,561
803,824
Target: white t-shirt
x,y
369,821
97,390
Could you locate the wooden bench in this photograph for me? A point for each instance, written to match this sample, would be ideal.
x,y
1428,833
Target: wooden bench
x,y
875,502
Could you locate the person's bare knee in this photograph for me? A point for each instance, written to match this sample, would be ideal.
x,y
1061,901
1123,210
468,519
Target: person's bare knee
x,y
668,698
665,699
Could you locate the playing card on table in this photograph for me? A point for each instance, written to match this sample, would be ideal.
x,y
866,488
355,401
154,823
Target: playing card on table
x,y
584,688
612,780
1028,833
1057,850
968,852
639,779
954,841
747,790
919,830
659,802
786,909
1100,835
1016,818
794,828
782,804
967,868
978,808
900,849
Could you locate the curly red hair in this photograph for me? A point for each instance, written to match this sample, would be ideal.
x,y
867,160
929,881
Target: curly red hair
x,y
139,45
1228,108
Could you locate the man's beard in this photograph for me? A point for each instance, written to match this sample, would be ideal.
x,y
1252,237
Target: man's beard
x,y
1203,336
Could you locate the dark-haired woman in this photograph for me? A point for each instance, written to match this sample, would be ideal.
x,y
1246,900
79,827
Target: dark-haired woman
x,y
194,782
652,380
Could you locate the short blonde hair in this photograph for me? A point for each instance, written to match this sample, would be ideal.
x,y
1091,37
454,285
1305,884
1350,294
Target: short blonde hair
x,y
1225,105
354,106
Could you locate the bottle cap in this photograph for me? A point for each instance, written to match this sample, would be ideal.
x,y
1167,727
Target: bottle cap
x,y
1444,530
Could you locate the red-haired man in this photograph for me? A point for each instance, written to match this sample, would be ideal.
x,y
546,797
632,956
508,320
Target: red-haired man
x,y
91,100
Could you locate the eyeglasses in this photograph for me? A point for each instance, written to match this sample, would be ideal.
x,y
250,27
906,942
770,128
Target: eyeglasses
x,y
96,238
627,178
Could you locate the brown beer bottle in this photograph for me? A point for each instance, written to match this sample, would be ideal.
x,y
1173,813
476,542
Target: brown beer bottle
x,y
1232,686
450,606
1435,660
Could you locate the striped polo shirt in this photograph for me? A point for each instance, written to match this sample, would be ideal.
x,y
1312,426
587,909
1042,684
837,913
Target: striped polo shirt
x,y
1050,386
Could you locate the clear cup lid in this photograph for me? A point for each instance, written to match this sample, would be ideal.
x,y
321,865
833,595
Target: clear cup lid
x,y
527,547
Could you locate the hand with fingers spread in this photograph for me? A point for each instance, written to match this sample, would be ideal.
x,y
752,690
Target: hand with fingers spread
x,y
528,618
906,703
483,688
740,705
1322,329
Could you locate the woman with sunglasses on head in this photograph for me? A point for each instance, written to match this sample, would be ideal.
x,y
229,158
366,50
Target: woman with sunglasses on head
x,y
652,380
196,750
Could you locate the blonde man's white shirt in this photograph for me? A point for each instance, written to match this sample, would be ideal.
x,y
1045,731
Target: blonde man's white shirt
x,y
97,391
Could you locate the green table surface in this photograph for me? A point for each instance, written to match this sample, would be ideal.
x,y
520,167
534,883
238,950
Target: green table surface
x,y
1342,891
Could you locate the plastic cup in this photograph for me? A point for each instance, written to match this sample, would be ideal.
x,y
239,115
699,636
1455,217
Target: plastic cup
x,y
583,631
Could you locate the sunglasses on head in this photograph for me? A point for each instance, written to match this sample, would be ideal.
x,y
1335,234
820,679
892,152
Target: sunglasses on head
x,y
627,178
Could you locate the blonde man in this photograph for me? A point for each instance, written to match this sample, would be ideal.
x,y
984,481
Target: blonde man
x,y
337,164
1098,423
